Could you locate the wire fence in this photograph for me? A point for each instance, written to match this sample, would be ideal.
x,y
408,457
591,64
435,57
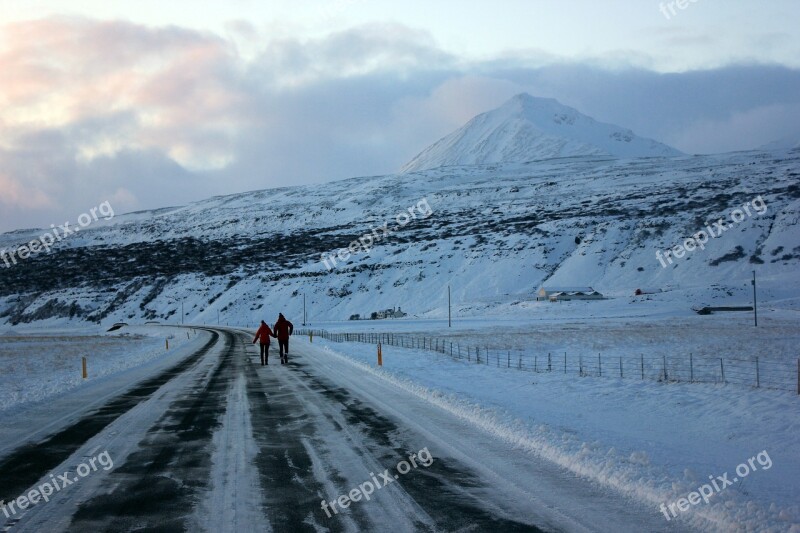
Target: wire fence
x,y
757,372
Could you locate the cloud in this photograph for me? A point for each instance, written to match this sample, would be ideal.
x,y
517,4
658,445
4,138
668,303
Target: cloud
x,y
744,130
147,117
14,194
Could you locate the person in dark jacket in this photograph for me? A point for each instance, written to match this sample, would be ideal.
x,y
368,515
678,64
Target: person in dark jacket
x,y
263,334
283,330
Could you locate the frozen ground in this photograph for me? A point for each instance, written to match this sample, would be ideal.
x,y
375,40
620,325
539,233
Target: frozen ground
x,y
655,442
221,443
37,364
714,335
723,347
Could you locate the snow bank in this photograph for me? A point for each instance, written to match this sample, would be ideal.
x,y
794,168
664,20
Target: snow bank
x,y
653,442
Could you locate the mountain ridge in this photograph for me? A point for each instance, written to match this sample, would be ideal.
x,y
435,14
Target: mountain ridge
x,y
496,234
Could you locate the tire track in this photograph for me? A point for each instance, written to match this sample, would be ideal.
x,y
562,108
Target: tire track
x,y
158,486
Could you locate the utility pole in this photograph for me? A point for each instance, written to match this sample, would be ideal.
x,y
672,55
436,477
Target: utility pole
x,y
449,309
755,302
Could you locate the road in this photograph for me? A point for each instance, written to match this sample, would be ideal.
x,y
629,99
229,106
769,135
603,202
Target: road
x,y
219,443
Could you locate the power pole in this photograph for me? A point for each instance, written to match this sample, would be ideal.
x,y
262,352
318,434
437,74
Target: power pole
x,y
449,309
755,302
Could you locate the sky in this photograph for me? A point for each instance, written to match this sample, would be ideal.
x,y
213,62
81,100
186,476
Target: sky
x,y
150,104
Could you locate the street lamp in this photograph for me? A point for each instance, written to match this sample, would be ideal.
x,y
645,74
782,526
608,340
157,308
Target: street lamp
x,y
449,310
755,303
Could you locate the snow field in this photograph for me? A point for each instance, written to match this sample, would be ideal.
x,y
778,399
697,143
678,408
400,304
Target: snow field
x,y
35,367
653,442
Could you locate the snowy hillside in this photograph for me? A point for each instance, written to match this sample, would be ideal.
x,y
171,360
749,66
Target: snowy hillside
x,y
528,129
495,234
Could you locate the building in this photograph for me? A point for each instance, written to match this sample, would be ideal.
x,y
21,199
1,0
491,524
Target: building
x,y
560,294
388,313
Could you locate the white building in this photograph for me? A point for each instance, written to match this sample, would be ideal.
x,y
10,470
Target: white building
x,y
557,294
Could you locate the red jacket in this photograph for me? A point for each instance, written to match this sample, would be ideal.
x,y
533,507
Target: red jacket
x,y
283,329
263,333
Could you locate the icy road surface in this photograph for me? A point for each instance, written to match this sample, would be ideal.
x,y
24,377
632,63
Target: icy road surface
x,y
219,443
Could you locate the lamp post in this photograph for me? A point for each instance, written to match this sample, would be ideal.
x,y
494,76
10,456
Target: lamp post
x,y
755,302
449,310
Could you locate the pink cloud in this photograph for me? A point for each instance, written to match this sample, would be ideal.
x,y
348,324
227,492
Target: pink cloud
x,y
12,193
175,82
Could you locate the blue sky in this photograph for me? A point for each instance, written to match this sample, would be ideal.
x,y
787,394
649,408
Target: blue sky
x,y
155,103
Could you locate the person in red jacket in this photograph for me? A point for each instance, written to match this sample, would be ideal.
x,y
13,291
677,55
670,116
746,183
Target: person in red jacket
x,y
283,329
263,334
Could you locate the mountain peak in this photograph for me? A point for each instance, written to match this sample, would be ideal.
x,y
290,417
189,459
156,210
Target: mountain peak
x,y
528,128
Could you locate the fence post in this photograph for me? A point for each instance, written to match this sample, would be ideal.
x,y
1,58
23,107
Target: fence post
x,y
666,378
642,366
758,375
549,363
620,368
565,362
722,370
380,355
580,365
519,363
167,344
84,372
535,367
509,359
691,368
600,365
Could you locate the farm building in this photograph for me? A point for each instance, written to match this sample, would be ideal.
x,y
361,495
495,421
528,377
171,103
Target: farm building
x,y
557,294
388,313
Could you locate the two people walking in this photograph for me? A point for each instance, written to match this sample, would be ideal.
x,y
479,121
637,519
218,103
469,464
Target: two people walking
x,y
282,330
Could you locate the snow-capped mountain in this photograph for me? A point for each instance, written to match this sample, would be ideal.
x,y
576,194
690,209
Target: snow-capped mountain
x,y
495,234
528,129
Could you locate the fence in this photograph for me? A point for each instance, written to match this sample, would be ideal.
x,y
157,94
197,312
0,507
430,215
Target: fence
x,y
755,372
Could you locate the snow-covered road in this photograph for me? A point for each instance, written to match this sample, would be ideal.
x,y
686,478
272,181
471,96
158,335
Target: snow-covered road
x,y
220,443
